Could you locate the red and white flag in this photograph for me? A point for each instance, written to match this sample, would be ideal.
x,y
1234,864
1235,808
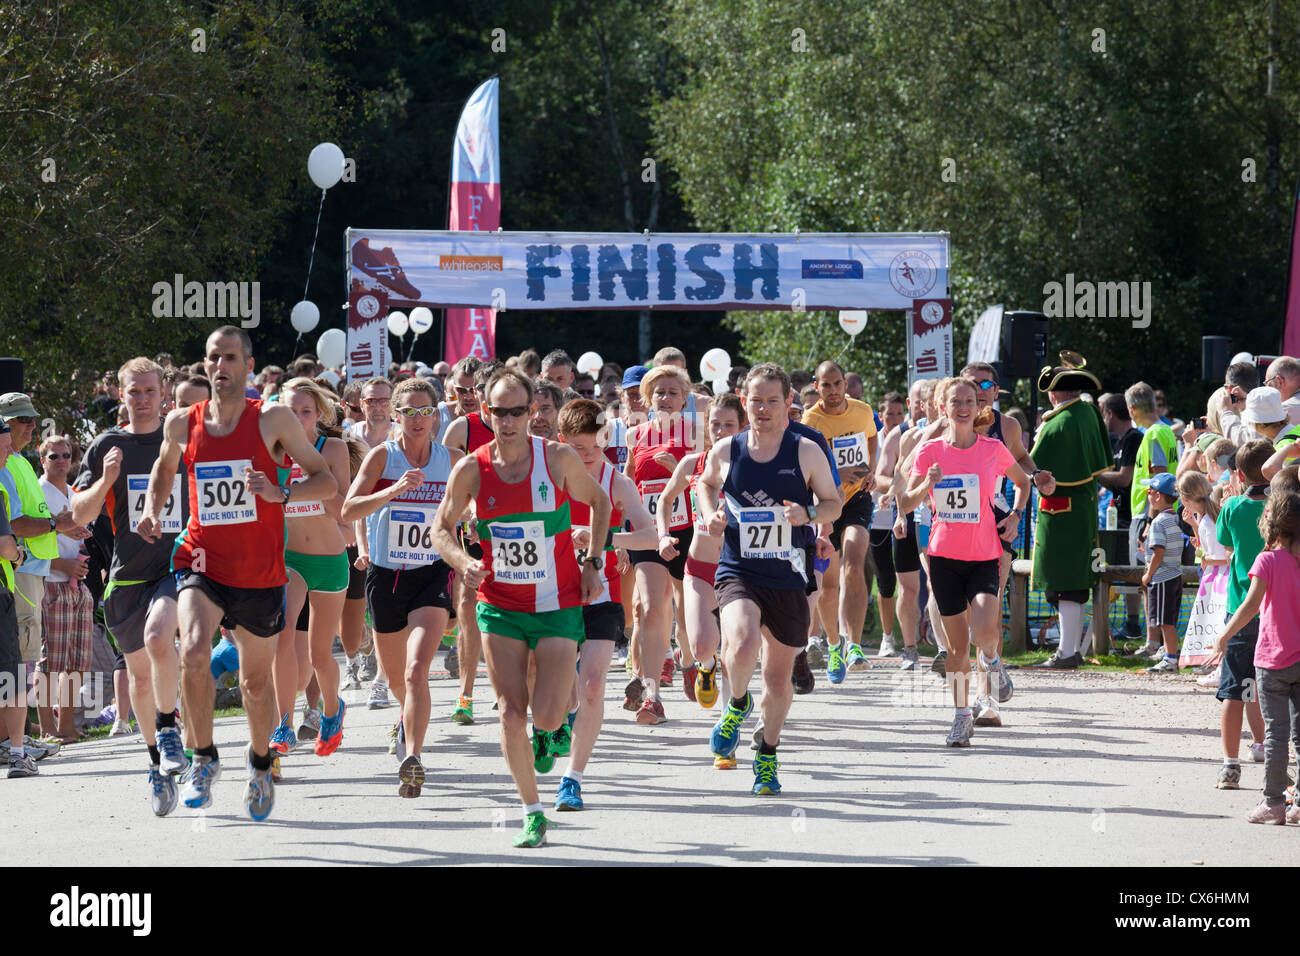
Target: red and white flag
x,y
475,203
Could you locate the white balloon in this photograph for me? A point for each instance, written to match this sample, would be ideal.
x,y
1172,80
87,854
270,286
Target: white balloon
x,y
720,386
304,316
853,321
590,362
325,165
397,323
420,320
716,363
332,347
1243,357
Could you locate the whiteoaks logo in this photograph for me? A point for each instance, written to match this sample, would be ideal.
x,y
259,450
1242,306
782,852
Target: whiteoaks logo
x,y
79,910
1098,300
208,300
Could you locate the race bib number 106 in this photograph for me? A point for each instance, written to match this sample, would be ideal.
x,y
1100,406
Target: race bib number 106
x,y
222,496
410,536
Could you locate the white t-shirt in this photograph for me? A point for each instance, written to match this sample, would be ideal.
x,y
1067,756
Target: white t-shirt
x,y
1209,540
68,548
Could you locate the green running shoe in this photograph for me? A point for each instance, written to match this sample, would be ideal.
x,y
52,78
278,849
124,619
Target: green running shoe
x,y
534,832
765,782
543,753
857,660
464,712
561,741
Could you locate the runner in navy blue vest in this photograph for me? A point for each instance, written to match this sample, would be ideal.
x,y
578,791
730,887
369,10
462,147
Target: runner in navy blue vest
x,y
774,484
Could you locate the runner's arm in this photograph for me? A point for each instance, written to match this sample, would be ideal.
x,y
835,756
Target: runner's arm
x,y
288,434
826,497
643,536
462,486
888,459
163,474
708,490
580,485
679,482
359,501
88,503
457,433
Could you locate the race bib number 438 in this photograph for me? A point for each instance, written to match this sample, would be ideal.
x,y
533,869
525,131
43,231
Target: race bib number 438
x,y
221,493
957,499
137,487
521,553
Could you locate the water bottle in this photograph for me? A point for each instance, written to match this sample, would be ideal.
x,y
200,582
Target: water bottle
x,y
1112,517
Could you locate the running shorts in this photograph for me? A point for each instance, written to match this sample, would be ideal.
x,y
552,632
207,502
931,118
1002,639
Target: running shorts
x,y
857,511
677,566
321,572
701,569
784,613
356,577
392,595
603,621
531,626
893,556
955,583
260,611
126,608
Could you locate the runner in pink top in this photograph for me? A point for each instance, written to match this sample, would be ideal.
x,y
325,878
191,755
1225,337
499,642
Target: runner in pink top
x,y
959,473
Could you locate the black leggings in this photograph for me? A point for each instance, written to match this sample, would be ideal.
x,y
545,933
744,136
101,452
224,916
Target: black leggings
x,y
893,556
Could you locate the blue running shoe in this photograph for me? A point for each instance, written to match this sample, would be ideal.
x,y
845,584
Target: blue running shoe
x,y
259,795
330,734
726,734
164,795
171,752
835,666
282,738
570,795
765,782
203,774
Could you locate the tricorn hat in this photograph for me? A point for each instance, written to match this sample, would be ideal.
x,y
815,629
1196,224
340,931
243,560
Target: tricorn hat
x,y
1069,376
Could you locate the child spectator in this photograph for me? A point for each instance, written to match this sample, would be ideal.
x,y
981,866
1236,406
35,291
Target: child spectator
x,y
1162,550
1200,510
1274,593
1238,530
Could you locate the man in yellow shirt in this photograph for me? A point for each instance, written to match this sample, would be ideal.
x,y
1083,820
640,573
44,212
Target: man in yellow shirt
x,y
850,429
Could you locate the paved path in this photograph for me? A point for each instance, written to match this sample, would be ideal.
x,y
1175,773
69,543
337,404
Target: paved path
x,y
1090,769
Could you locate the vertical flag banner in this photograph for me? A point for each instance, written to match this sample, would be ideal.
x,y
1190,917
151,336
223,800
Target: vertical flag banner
x,y
475,204
1291,322
367,332
929,342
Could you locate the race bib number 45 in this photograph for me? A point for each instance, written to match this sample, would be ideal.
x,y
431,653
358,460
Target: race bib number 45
x,y
410,535
957,499
850,450
137,487
521,553
222,495
764,533
652,491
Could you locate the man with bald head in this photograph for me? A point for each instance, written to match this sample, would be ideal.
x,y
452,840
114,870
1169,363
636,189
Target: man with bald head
x,y
853,386
1284,375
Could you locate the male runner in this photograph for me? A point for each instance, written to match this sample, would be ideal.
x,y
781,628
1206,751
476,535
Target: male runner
x,y
898,566
229,561
772,482
140,599
374,429
530,589
850,430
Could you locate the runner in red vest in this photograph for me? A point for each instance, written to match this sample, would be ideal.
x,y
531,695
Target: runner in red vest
x,y
229,561
530,589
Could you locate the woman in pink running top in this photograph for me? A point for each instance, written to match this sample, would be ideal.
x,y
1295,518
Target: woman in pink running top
x,y
960,474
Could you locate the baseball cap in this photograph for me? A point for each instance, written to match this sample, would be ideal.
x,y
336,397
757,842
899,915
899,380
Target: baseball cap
x,y
16,404
1204,442
1264,406
1164,483
632,377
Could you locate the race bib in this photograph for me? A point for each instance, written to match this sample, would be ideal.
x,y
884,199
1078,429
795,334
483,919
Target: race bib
x,y
137,489
300,509
700,526
221,493
850,450
520,552
957,499
410,535
652,491
764,533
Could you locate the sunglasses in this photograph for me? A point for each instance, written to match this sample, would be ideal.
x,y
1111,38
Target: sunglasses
x,y
517,411
587,392
66,454
986,385
24,420
464,389
424,412
376,401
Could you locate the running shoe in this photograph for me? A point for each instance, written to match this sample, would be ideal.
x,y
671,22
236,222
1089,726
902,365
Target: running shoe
x,y
351,675
999,675
1229,778
411,775
1146,650
40,749
688,676
452,662
857,660
726,733
282,738
569,796
756,740
835,668
562,740
940,663
724,763
1257,753
164,796
24,766
1264,812
543,757
962,731
399,744
203,774
1058,663
802,675
121,728
633,694
817,652
378,695
534,832
331,732
911,658
1165,665
382,265
765,782
464,712
171,753
392,739
887,648
666,675
276,774
985,713
651,712
309,729
259,795
706,685
369,666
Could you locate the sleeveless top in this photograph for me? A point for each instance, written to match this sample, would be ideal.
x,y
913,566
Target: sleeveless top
x,y
400,534
233,537
652,478
759,545
478,433
527,539
301,509
581,515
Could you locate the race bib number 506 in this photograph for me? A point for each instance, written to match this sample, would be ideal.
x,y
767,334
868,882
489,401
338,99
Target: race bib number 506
x,y
850,450
222,496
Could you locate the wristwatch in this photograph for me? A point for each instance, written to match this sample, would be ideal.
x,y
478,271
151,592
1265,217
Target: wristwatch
x,y
594,561
284,490
812,512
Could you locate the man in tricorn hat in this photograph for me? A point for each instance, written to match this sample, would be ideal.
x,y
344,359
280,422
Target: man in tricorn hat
x,y
1073,446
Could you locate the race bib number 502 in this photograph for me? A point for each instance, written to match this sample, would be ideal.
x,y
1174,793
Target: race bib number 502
x,y
222,496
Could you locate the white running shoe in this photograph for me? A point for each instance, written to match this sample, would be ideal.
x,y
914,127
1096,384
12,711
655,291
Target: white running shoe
x,y
887,648
1257,753
379,695
120,728
911,657
963,729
